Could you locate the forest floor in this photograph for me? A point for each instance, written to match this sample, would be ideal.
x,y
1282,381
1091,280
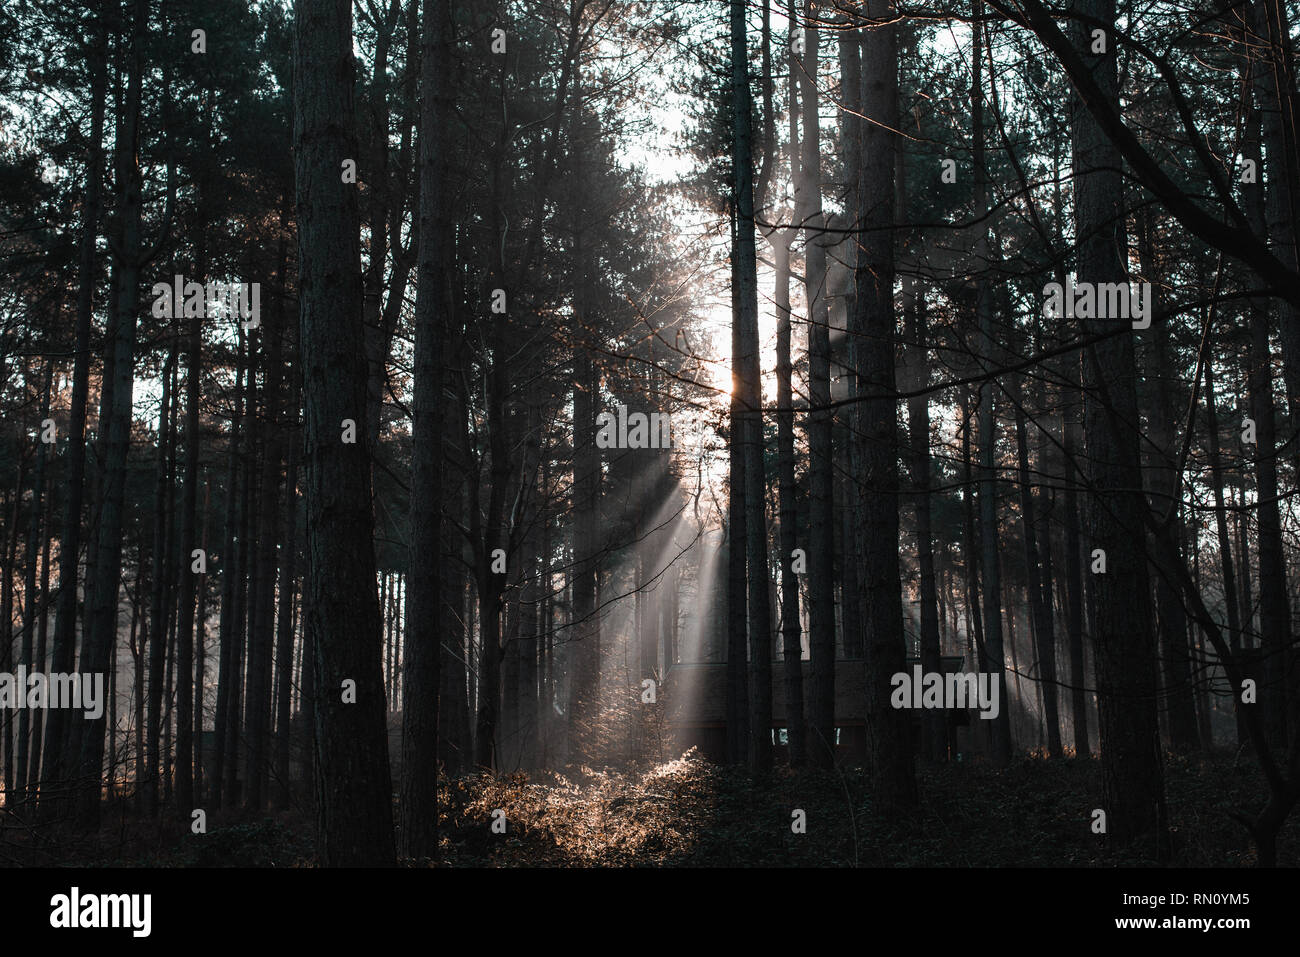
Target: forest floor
x,y
691,813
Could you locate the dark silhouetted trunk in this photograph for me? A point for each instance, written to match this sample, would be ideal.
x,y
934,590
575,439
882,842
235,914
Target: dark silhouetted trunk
x,y
261,633
1230,595
1132,778
57,765
1039,599
32,600
284,642
227,669
819,547
918,426
746,363
340,606
999,727
1274,613
420,669
1074,592
115,425
873,322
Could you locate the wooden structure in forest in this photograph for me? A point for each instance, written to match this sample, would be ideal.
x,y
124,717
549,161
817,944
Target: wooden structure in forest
x,y
695,696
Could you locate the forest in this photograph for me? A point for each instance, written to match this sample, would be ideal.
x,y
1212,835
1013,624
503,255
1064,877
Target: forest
x,y
668,433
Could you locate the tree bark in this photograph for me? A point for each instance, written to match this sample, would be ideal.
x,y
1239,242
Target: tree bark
x,y
1274,613
420,668
999,727
1166,482
1039,598
746,362
820,546
1230,595
1074,594
341,609
918,427
16,782
261,635
285,625
873,322
115,424
792,643
56,763
1132,778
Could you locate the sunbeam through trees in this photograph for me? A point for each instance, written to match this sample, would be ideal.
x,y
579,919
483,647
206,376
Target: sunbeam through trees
x,y
607,433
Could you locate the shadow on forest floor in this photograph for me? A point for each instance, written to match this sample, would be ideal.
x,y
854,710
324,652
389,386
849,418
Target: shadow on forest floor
x,y
695,814
691,813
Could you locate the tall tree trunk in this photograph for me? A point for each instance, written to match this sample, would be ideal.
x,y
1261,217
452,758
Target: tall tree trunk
x,y
970,539
737,703
190,581
584,634
115,423
821,522
494,540
1274,613
379,197
227,668
285,624
453,714
34,768
529,613
1166,483
1074,592
249,581
10,555
999,727
892,773
1132,778
918,427
1275,92
1230,595
341,609
57,765
1039,599
200,657
745,315
17,781
424,595
792,643
261,635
